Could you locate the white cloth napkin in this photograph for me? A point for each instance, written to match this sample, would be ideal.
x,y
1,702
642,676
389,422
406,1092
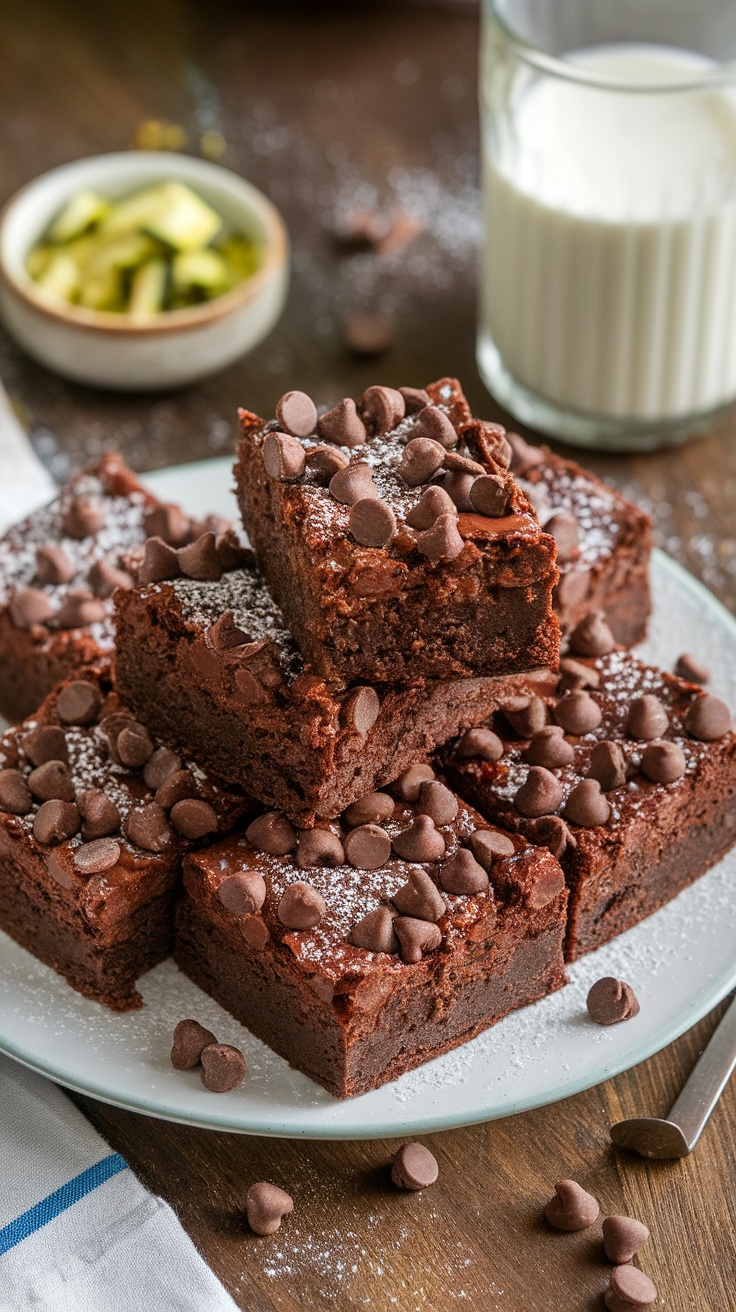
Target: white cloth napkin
x,y
24,483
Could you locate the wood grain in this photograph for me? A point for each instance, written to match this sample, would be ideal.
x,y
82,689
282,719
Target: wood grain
x,y
320,103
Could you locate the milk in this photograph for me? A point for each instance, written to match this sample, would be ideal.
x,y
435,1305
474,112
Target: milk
x,y
609,270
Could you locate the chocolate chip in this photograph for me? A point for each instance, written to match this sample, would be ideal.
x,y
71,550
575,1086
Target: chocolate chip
x,y
571,1208
52,779
368,847
325,461
416,937
458,487
53,566
489,495
382,409
375,932
297,414
414,1167
610,1001
301,907
29,606
463,875
255,932
372,522
100,816
244,893
55,822
488,844
415,399
550,748
526,715
167,522
226,634
545,884
690,668
342,425
318,847
563,528
608,765
15,796
459,464
434,423
577,675
189,1040
104,578
420,461
134,746
199,560
109,728
646,718
360,711
95,857
78,610
147,827
442,541
663,762
160,562
480,743
354,483
159,766
419,897
368,334
45,743
408,784
420,842
369,810
265,1205
523,454
708,718
433,502
592,636
78,702
436,801
283,457
551,832
633,1289
175,788
83,517
193,818
578,712
540,794
623,1237
586,806
223,1067
272,833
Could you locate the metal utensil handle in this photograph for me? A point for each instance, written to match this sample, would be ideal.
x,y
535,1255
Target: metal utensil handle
x,y
708,1079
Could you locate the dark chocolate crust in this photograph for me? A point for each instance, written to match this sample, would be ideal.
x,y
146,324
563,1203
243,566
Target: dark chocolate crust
x,y
388,615
253,714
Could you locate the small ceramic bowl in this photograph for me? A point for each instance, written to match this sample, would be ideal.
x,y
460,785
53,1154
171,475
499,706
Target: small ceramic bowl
x,y
176,347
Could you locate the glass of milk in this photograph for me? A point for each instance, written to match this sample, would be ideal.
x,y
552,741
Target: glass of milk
x,y
608,281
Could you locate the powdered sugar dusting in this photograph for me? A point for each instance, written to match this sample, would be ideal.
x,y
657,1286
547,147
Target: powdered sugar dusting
x,y
243,592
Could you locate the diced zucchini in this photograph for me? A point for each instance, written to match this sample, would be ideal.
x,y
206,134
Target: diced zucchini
x,y
148,289
125,252
185,222
36,260
60,278
101,291
205,270
243,256
133,213
82,210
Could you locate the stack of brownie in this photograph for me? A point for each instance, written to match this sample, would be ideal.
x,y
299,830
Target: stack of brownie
x,y
385,810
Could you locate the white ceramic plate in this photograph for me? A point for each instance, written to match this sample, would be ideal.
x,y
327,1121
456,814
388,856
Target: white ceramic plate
x,y
681,962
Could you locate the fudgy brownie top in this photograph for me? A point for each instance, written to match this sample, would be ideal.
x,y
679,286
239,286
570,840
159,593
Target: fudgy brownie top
x,y
253,618
400,875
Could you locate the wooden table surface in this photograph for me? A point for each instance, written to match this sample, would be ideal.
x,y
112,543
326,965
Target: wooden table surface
x,y
323,106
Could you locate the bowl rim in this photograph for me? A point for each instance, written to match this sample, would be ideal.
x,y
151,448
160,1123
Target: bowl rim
x,y
111,323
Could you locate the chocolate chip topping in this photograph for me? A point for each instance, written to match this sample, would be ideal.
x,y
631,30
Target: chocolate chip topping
x,y
318,847
663,762
414,1167
160,562
15,796
272,833
415,399
45,743
104,578
647,718
100,816
421,459
78,610
371,809
592,636
372,522
297,414
193,818
690,668
301,906
29,606
419,897
463,875
223,1067
244,893
459,464
175,788
420,842
610,1001
53,566
325,461
623,1237
549,748
368,847
564,529
95,857
375,932
436,801
147,827
168,522
571,1208
708,718
52,779
523,454
354,483
630,1289
433,502
55,822
225,634
526,715
586,806
78,703
578,712
483,744
200,560
382,408
265,1205
575,674
489,495
458,486
550,831
283,457
408,784
189,1039
442,541
361,709
342,425
540,794
608,765
134,746
83,517
416,937
488,844
435,424
546,884
255,932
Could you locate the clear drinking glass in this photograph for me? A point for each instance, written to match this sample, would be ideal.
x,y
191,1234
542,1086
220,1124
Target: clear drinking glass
x,y
608,281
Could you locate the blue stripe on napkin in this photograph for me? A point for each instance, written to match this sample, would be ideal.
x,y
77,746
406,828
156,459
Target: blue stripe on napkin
x,y
51,1206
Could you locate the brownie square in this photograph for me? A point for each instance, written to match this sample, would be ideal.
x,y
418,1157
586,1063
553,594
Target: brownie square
x,y
447,966
375,586
58,570
645,804
212,668
91,848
